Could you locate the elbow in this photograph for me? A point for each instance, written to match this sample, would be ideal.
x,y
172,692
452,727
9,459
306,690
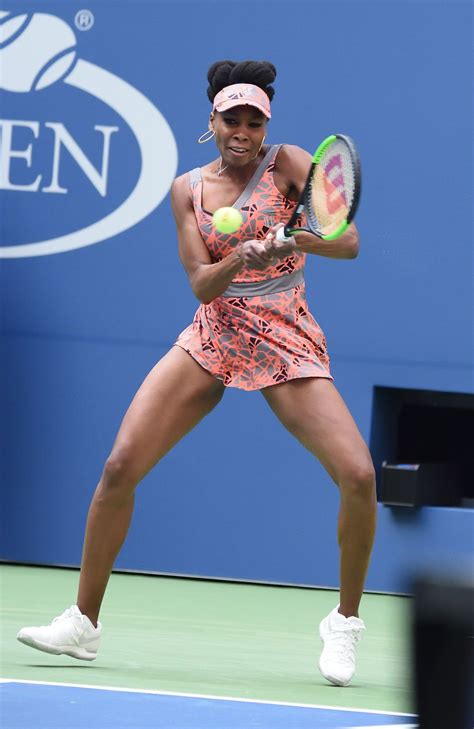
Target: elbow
x,y
196,288
353,251
201,295
353,245
199,288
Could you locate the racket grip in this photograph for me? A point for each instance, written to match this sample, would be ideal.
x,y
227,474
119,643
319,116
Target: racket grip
x,y
281,237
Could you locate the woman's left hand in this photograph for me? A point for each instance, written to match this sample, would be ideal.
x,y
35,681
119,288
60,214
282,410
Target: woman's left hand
x,y
277,248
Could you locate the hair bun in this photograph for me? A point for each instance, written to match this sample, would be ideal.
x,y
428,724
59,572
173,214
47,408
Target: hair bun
x,y
225,73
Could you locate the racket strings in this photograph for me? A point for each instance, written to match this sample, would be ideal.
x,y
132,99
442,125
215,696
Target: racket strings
x,y
331,192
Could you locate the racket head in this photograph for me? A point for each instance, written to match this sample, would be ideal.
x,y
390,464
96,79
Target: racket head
x,y
332,192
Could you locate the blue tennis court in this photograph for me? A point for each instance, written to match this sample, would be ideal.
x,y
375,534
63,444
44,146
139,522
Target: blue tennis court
x,y
56,706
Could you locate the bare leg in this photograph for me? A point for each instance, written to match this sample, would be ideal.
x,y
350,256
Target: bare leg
x,y
174,397
316,414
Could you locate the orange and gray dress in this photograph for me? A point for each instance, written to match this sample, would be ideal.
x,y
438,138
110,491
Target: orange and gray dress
x,y
259,332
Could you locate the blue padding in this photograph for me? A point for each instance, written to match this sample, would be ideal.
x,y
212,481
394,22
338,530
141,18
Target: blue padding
x,y
58,707
79,330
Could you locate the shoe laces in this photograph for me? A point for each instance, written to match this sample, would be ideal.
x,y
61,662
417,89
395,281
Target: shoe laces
x,y
343,640
69,613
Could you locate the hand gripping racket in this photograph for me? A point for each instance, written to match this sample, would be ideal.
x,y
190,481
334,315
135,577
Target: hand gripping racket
x,y
331,194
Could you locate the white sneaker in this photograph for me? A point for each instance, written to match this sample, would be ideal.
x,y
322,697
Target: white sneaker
x,y
339,635
71,634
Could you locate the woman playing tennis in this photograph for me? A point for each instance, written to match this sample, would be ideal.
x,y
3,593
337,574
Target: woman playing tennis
x,y
253,331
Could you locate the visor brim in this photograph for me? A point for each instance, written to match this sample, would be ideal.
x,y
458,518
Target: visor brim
x,y
231,103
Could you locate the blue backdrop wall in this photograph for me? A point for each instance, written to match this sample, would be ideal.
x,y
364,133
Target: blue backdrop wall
x,y
100,110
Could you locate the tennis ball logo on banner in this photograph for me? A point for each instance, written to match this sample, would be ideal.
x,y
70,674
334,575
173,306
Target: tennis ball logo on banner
x,y
42,50
39,52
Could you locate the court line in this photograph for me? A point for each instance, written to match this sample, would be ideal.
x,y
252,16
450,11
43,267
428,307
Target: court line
x,y
208,696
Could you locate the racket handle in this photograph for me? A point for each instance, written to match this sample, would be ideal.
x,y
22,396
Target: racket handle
x,y
281,237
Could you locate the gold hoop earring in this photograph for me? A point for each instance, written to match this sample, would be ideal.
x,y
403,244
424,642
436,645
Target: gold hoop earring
x,y
260,148
206,137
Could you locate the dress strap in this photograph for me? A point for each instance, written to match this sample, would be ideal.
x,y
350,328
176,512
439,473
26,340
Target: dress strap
x,y
195,176
195,183
257,175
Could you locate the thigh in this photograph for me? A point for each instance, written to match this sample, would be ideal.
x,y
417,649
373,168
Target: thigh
x,y
314,411
173,398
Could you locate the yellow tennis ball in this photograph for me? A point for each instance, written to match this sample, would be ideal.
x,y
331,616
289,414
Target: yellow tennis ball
x,y
227,220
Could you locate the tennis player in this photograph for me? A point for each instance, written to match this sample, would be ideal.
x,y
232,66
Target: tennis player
x,y
252,330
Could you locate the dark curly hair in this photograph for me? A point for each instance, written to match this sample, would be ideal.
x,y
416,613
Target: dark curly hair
x,y
225,73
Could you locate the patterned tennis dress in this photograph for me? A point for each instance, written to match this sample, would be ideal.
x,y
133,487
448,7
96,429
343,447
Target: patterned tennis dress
x,y
259,332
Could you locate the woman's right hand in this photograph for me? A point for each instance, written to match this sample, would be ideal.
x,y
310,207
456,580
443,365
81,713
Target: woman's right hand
x,y
255,254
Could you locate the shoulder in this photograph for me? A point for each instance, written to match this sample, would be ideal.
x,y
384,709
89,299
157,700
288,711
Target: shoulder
x,y
291,157
180,183
292,165
181,190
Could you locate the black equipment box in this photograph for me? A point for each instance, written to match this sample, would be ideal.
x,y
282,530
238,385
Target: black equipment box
x,y
421,484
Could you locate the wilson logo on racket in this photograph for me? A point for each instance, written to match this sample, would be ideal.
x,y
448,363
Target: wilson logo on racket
x,y
331,193
334,185
38,51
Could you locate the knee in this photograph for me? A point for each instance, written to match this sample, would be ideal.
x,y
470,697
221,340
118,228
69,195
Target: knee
x,y
120,472
358,480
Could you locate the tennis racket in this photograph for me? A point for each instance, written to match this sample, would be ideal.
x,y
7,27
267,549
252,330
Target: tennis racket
x,y
331,194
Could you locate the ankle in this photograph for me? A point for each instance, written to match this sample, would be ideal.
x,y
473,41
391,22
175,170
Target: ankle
x,y
92,615
348,611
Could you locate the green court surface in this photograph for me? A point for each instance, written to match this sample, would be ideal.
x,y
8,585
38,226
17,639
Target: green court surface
x,y
209,638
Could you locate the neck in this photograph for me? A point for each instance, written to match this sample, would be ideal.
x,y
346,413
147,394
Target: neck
x,y
221,168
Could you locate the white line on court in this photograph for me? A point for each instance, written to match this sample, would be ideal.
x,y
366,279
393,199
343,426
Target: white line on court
x,y
214,698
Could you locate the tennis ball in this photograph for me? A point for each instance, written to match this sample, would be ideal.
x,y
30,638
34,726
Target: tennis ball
x,y
227,220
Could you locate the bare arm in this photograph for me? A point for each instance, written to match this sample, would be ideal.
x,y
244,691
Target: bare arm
x,y
346,246
208,280
291,171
